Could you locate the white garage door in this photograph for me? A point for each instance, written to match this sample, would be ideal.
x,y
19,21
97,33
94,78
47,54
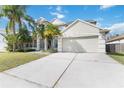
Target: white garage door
x,y
85,44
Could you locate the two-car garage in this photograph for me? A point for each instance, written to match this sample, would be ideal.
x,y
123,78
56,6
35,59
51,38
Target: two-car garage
x,y
80,44
82,37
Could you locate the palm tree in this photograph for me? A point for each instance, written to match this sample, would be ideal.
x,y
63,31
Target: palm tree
x,y
16,15
24,37
45,31
50,32
39,33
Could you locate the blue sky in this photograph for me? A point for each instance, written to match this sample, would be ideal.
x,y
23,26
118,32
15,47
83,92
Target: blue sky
x,y
111,17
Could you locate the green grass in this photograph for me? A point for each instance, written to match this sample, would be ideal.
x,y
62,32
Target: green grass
x,y
118,57
11,60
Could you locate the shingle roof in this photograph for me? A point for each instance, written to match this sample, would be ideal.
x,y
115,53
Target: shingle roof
x,y
120,37
41,20
57,22
89,21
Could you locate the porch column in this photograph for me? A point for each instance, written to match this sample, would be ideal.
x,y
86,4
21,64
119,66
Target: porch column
x,y
38,43
59,44
45,44
53,43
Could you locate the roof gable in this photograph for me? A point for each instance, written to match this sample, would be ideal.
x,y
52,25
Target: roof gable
x,y
80,28
78,20
57,22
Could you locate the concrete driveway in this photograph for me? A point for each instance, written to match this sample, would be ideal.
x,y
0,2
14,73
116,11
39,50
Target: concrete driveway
x,y
66,70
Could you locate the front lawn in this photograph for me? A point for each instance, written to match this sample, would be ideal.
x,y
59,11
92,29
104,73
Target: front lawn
x,y
11,60
117,56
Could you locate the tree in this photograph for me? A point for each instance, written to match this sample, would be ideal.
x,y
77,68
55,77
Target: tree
x,y
50,32
16,14
24,37
39,33
46,31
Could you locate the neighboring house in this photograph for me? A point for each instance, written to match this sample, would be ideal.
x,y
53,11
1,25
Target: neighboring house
x,y
115,44
82,36
2,42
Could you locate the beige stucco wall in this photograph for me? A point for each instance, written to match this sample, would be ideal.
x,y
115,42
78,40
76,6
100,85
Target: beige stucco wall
x,y
59,44
2,43
81,29
101,43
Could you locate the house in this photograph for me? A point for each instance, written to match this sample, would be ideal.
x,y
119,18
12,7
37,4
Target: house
x,y
115,44
77,36
82,36
2,42
39,42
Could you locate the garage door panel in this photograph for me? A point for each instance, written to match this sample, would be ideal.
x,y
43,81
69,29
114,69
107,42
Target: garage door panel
x,y
80,44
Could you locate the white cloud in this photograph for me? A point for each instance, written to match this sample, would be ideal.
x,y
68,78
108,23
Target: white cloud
x,y
118,16
106,6
117,28
99,19
50,7
58,15
99,24
59,8
59,12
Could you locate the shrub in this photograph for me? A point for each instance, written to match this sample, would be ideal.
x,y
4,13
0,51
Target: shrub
x,y
9,48
26,50
29,50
